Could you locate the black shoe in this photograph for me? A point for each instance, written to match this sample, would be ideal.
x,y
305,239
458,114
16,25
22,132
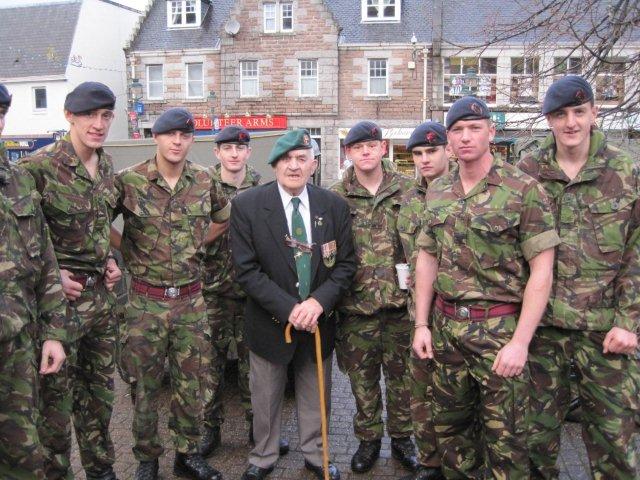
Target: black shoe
x,y
210,441
194,466
147,470
334,473
283,446
403,449
256,473
106,474
425,473
366,455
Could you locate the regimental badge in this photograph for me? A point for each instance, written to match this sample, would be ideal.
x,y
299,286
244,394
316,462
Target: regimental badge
x,y
475,108
305,139
580,95
431,137
329,251
374,132
243,137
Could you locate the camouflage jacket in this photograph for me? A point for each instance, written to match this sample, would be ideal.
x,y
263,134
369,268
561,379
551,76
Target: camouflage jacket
x,y
410,219
29,275
377,242
78,209
597,265
219,276
483,239
165,228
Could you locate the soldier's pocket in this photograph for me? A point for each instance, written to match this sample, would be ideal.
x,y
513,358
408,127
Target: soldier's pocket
x,y
199,218
66,214
146,220
25,213
492,237
610,220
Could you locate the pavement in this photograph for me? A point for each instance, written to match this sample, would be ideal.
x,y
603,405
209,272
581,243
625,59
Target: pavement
x,y
231,457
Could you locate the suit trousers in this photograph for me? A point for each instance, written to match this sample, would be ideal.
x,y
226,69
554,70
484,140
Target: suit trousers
x,y
267,382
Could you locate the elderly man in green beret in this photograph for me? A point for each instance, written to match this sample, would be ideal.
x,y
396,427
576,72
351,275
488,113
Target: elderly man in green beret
x,y
292,249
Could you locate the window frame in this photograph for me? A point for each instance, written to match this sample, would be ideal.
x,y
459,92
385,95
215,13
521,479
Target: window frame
x,y
277,16
188,79
313,68
380,18
370,77
617,75
281,16
482,66
530,66
34,98
243,78
149,81
183,14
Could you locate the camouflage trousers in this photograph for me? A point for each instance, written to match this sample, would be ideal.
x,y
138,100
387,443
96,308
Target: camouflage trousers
x,y
83,389
175,329
421,415
479,417
364,345
608,388
226,320
21,455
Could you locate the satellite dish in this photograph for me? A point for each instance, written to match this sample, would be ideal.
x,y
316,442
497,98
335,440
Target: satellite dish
x,y
232,27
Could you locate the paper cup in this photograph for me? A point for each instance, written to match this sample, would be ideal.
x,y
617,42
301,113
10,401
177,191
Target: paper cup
x,y
402,269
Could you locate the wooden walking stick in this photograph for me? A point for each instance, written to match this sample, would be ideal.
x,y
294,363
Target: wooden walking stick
x,y
323,405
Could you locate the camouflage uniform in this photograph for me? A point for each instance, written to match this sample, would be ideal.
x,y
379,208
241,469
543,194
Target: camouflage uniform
x,y
79,211
374,330
162,245
597,280
225,310
482,240
31,293
409,222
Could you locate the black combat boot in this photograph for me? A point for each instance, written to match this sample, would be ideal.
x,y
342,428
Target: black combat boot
x,y
366,455
147,470
403,449
195,467
210,441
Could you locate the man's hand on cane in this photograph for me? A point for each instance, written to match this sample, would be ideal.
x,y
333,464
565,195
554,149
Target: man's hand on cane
x,y
304,315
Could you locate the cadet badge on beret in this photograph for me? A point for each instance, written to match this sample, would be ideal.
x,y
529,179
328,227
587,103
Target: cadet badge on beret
x,y
475,108
329,251
243,137
581,95
306,140
374,131
431,137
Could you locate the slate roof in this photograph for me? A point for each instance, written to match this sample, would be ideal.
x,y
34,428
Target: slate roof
x,y
153,34
415,17
36,40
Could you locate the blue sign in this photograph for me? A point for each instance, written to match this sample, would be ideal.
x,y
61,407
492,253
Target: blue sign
x,y
139,108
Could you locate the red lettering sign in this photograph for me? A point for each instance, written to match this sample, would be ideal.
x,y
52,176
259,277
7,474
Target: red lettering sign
x,y
252,122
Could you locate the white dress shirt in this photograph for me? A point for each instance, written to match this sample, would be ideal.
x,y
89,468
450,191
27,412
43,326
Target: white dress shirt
x,y
304,209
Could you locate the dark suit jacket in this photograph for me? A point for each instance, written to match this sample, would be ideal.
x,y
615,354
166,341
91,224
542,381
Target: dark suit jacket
x,y
266,269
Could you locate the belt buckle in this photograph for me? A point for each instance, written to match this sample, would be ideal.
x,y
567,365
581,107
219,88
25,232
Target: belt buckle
x,y
462,312
172,292
91,281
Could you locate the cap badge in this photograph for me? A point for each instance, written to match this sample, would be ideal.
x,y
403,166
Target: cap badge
x,y
431,137
580,95
475,108
242,136
374,131
306,140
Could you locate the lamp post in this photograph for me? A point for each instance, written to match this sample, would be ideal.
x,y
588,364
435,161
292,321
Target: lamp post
x,y
211,99
135,107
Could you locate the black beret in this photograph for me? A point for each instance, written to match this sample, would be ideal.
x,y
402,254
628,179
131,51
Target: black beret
x,y
429,134
176,118
233,134
569,91
363,132
467,108
5,96
89,96
292,140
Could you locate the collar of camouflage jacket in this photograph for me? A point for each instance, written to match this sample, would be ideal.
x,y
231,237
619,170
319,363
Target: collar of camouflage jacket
x,y
251,177
68,154
388,187
550,168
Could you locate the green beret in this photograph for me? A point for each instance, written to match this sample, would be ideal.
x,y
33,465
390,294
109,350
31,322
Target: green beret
x,y
293,140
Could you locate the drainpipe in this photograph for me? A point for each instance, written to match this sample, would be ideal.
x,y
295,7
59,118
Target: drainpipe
x,y
424,83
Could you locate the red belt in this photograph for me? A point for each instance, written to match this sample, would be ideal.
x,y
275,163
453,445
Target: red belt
x,y
465,313
87,281
164,293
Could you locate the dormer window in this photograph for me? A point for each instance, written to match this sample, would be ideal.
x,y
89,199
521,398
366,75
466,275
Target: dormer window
x,y
183,13
380,11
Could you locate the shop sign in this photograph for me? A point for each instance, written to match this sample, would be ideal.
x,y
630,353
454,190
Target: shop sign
x,y
251,122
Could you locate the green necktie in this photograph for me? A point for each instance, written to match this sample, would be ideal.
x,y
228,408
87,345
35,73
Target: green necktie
x,y
303,259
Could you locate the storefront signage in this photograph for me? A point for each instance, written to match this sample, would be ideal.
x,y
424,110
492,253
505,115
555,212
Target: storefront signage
x,y
251,122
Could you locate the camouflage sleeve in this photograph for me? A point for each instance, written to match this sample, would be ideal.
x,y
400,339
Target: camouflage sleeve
x,y
220,205
119,195
627,283
426,239
537,225
51,301
32,167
